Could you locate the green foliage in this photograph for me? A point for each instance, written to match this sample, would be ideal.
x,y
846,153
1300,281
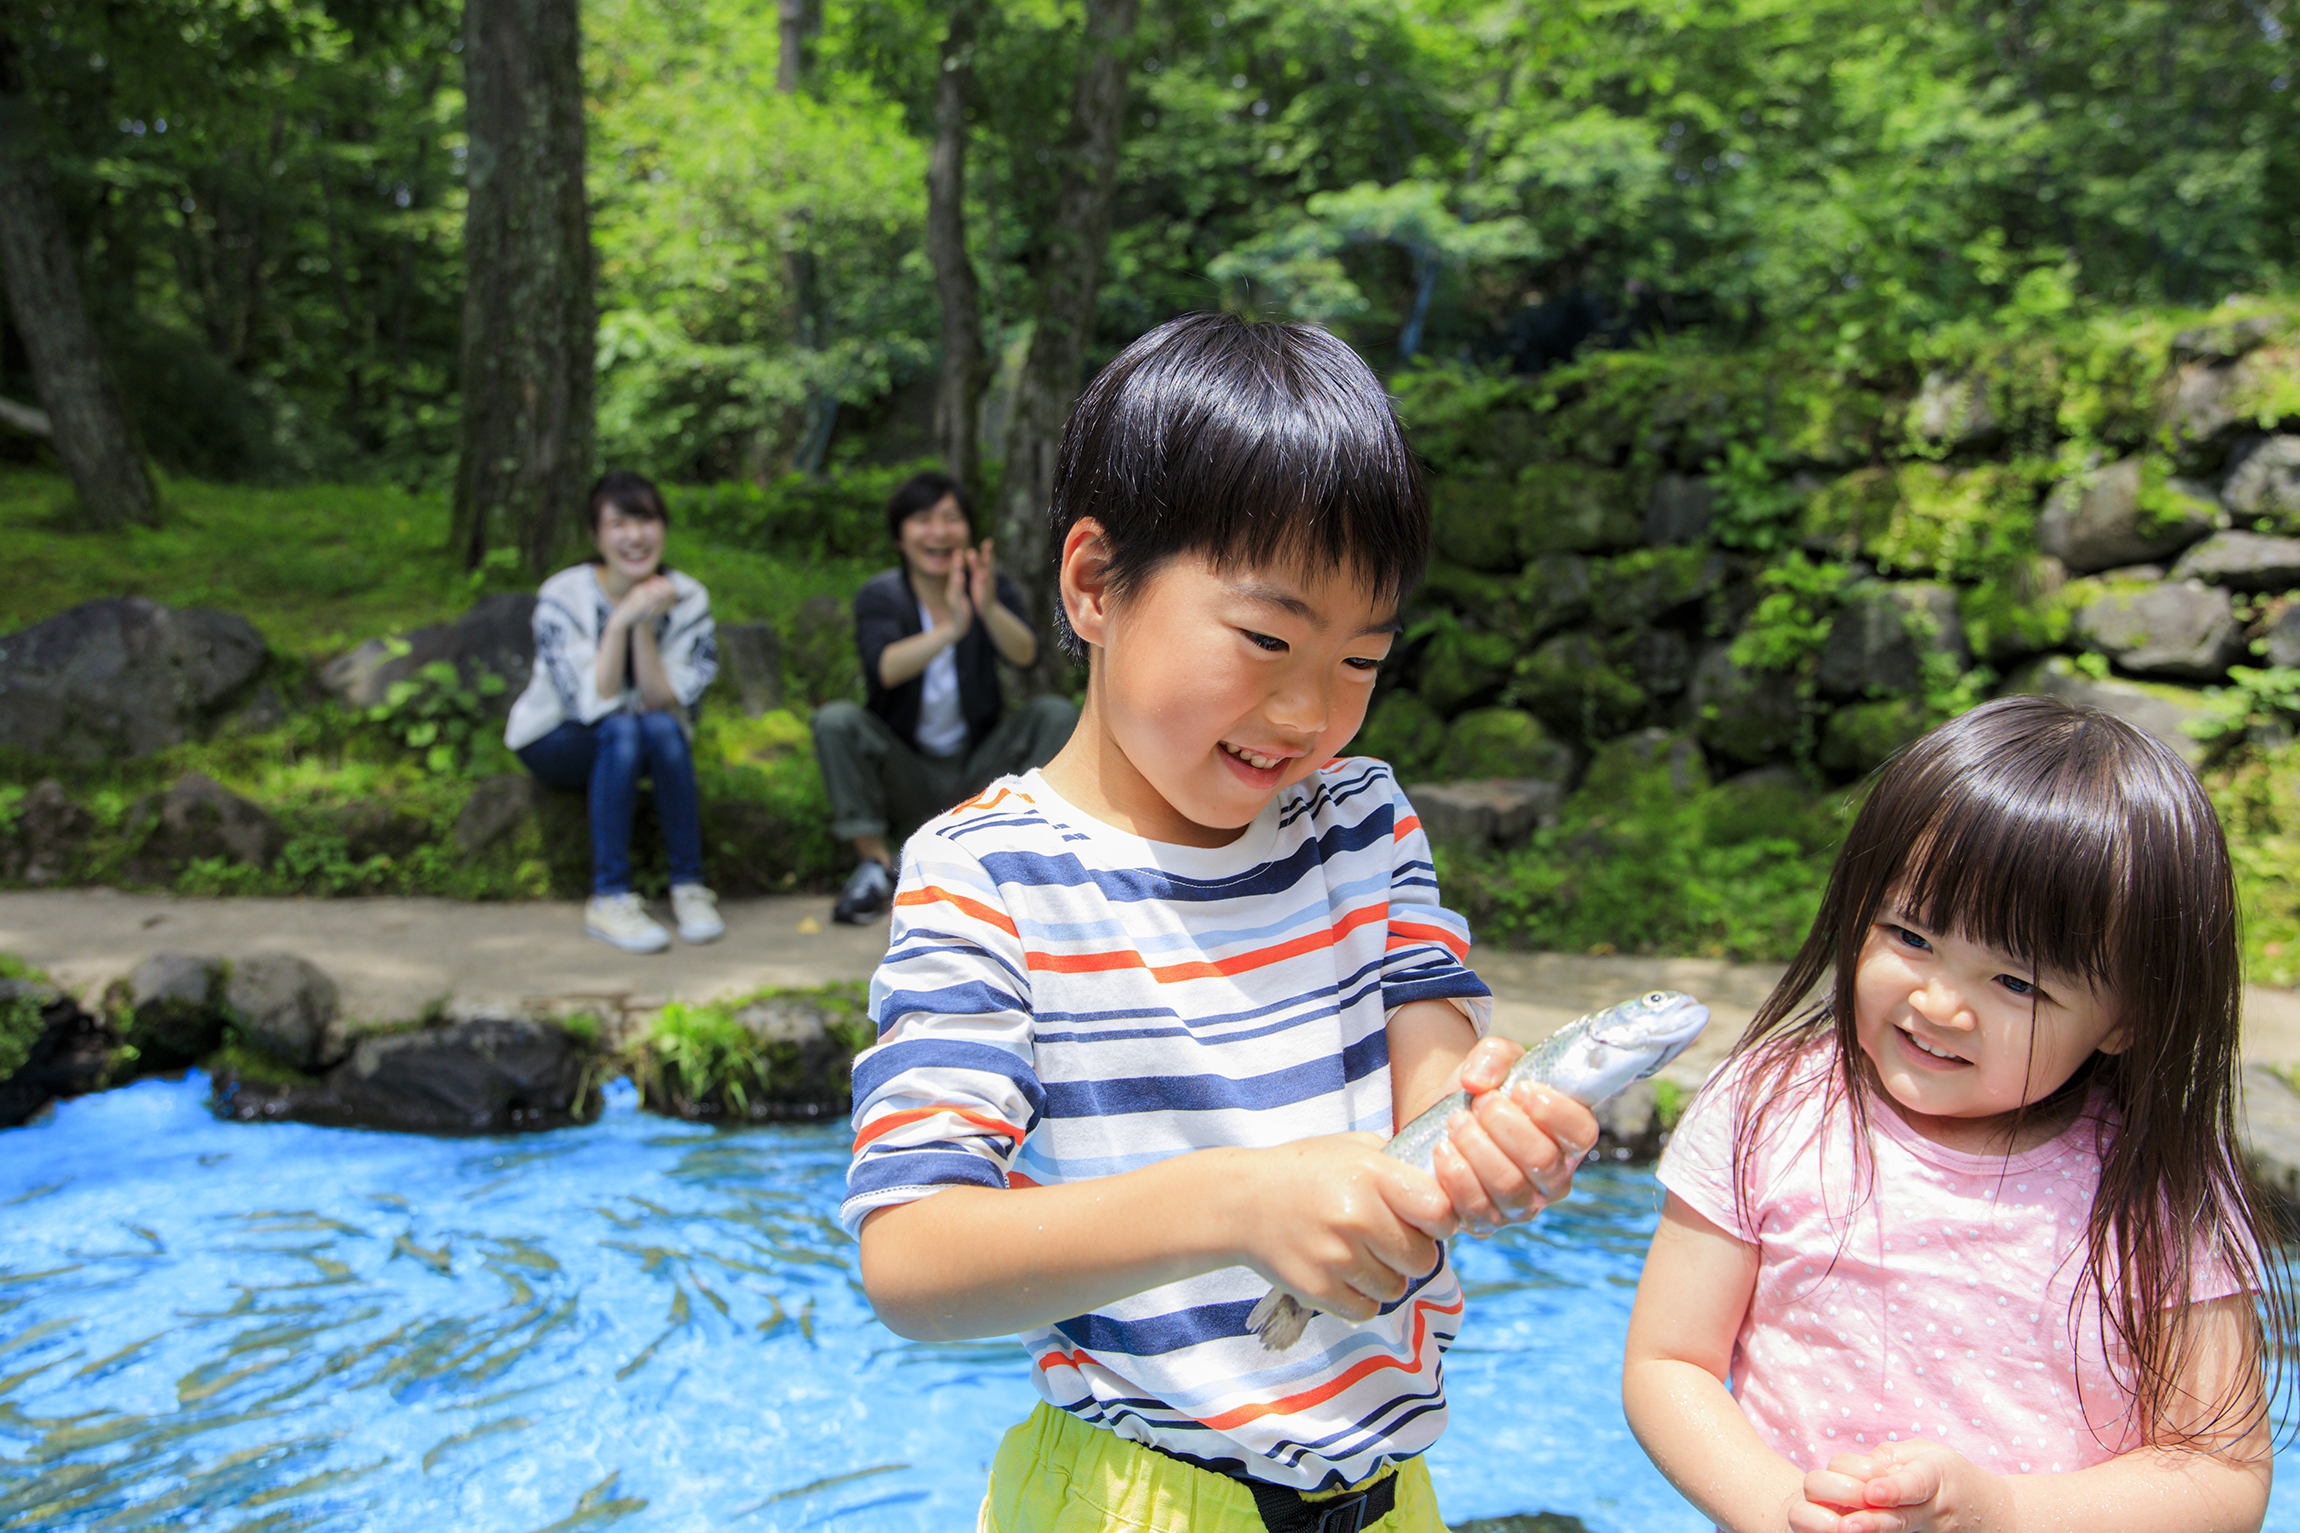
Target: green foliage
x,y
443,721
2256,701
2257,791
699,1057
241,1060
1636,866
1792,617
20,1028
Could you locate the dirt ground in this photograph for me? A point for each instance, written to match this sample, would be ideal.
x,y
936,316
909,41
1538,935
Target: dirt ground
x,y
394,957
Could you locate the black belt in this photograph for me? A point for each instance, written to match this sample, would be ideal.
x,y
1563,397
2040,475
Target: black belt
x,y
1289,1511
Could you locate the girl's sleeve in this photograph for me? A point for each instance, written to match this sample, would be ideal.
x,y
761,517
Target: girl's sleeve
x,y
558,638
1697,1164
946,1095
1428,954
689,645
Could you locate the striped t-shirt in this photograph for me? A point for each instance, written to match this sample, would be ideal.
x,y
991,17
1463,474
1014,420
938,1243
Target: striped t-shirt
x,y
1061,1001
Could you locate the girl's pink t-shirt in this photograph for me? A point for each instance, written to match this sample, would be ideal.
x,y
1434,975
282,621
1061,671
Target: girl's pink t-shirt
x,y
1938,1305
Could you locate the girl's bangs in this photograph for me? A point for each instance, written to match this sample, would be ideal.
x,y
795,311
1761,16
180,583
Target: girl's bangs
x,y
2029,869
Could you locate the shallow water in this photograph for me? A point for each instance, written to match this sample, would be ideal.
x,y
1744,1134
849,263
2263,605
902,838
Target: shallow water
x,y
639,1322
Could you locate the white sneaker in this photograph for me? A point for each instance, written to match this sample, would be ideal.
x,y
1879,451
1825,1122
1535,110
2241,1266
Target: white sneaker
x,y
696,909
620,920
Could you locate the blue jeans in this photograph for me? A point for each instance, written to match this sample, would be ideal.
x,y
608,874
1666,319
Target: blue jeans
x,y
608,758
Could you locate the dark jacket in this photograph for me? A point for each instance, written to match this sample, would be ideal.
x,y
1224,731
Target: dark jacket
x,y
886,610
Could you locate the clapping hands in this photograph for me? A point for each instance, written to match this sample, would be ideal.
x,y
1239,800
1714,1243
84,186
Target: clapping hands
x,y
973,586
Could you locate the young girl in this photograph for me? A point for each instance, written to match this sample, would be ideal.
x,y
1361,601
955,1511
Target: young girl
x,y
1968,1232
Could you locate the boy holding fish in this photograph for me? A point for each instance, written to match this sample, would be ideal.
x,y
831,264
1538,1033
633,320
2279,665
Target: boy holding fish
x,y
1147,1013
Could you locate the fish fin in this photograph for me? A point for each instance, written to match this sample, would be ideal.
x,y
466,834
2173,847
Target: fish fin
x,y
1279,1319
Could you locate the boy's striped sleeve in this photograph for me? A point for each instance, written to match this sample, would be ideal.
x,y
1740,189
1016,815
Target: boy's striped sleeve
x,y
947,1093
1428,956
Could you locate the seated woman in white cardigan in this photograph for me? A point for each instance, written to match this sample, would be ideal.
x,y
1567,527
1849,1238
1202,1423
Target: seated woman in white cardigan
x,y
624,646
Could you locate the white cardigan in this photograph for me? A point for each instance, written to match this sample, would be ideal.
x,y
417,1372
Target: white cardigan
x,y
570,612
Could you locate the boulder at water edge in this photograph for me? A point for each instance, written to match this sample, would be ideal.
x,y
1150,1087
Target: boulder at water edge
x,y
170,1008
122,677
283,1005
488,1075
49,1048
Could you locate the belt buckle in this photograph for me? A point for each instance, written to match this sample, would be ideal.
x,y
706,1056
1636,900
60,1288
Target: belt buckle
x,y
1348,1515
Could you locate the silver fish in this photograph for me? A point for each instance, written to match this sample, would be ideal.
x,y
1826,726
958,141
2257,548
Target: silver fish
x,y
1588,1059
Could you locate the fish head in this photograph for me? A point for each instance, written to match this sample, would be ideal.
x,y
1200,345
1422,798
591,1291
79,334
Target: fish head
x,y
1593,1057
1664,1020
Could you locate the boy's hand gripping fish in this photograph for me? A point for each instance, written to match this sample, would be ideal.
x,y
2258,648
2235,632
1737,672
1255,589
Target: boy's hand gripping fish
x,y
1587,1060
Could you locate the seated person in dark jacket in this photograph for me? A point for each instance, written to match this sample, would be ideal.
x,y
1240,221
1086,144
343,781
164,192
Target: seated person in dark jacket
x,y
929,734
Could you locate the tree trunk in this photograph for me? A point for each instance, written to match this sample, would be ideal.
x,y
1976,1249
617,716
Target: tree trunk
x,y
820,415
90,429
1071,258
965,367
528,323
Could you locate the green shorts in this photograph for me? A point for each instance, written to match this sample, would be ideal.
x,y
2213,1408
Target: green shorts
x,y
1056,1474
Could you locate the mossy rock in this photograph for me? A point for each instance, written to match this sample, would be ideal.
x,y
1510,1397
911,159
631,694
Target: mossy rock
x,y
1742,713
1488,599
1651,584
2264,387
1551,591
1405,732
1649,767
2024,609
1577,690
1924,519
1472,521
1504,742
1460,665
1564,508
1859,737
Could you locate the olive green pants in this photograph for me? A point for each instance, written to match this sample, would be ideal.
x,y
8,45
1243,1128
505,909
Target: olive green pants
x,y
882,785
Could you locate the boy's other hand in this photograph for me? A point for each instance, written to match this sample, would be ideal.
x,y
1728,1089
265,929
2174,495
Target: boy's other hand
x,y
1514,1152
1339,1225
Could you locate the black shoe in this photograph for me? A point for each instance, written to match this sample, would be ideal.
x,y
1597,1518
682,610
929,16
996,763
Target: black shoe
x,y
866,895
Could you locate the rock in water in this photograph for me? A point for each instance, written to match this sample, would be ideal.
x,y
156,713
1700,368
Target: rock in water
x,y
284,1006
53,1049
170,1008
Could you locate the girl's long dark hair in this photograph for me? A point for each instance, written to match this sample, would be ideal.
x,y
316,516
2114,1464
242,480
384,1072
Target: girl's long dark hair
x,y
2070,840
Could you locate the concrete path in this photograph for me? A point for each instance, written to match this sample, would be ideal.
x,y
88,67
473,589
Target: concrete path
x,y
394,957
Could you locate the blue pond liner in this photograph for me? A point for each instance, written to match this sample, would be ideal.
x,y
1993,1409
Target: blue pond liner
x,y
638,1323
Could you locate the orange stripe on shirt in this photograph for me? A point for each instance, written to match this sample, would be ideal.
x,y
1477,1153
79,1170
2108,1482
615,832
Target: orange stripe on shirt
x,y
894,1120
932,894
1340,1382
1407,934
1410,822
1236,963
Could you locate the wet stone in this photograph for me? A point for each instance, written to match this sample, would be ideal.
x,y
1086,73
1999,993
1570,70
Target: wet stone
x,y
283,1005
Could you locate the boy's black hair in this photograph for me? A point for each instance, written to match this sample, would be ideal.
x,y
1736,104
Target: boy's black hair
x,y
632,494
918,493
1250,442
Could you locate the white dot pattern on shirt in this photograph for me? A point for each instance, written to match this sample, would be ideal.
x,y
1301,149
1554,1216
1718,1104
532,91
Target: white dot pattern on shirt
x,y
1973,1260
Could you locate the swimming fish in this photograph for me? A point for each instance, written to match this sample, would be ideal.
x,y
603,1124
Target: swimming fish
x,y
1588,1059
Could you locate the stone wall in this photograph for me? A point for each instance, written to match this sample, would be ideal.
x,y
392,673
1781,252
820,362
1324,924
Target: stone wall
x,y
1792,566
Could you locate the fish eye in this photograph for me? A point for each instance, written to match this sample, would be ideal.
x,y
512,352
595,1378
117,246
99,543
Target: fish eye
x,y
1656,997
